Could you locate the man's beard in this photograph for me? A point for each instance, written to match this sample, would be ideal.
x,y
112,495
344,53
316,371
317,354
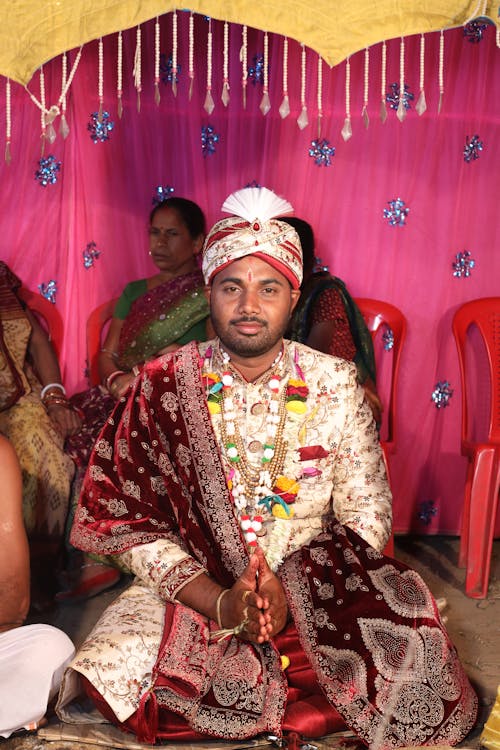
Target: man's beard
x,y
248,345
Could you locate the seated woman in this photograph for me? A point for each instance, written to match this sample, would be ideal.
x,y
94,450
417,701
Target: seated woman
x,y
33,657
327,318
152,316
36,417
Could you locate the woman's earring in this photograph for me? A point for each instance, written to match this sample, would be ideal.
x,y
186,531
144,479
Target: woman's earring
x,y
150,253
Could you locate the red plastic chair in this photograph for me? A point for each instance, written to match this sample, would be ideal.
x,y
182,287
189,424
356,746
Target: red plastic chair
x,y
48,315
382,317
96,325
483,470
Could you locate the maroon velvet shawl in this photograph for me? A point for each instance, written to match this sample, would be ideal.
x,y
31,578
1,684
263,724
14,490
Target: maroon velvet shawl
x,y
368,624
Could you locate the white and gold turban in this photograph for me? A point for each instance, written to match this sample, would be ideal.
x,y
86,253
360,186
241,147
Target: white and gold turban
x,y
254,230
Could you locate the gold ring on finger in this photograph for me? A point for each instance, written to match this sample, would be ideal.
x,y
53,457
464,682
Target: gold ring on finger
x,y
246,594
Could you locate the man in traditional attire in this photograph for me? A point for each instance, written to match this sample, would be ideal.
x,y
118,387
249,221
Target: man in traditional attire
x,y
242,483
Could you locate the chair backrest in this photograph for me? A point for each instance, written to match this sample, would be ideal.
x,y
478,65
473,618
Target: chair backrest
x,y
484,314
96,326
48,315
384,319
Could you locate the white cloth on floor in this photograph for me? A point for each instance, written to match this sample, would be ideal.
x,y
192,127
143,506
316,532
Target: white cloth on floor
x,y
32,662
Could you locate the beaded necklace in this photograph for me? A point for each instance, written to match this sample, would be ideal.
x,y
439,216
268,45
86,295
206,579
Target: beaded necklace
x,y
253,487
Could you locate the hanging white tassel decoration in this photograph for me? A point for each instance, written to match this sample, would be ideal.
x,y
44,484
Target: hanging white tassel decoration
x,y
421,104
401,110
175,70
157,96
137,72
191,54
265,104
49,115
346,131
225,66
119,75
209,102
100,82
383,83
43,134
441,70
303,120
320,95
63,125
8,121
244,64
284,109
364,111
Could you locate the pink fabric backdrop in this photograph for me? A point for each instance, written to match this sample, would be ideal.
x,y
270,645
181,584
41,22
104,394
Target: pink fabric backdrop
x,y
104,194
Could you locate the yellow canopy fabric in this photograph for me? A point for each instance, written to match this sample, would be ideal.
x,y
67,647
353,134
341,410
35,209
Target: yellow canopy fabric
x,y
34,31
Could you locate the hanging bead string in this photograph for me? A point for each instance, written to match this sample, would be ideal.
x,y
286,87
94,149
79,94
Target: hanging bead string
x,y
225,66
119,74
42,108
174,53
383,83
346,131
137,72
191,54
51,114
100,85
401,111
364,112
320,94
63,126
157,95
244,64
476,12
421,105
285,104
8,121
441,69
302,120
498,37
265,104
209,102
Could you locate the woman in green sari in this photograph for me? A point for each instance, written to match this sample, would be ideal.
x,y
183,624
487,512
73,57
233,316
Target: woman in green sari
x,y
153,315
327,318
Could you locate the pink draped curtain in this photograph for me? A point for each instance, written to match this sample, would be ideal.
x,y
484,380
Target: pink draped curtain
x,y
104,193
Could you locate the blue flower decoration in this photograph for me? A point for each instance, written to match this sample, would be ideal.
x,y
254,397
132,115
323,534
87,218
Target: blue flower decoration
x,y
427,511
254,183
162,193
393,96
474,30
463,264
49,290
388,338
46,174
396,215
442,394
90,254
209,140
472,148
256,71
99,131
166,69
321,152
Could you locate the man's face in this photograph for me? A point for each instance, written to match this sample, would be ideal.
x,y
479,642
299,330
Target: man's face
x,y
250,306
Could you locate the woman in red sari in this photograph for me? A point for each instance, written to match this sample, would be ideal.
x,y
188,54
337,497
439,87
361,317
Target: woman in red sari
x,y
154,315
